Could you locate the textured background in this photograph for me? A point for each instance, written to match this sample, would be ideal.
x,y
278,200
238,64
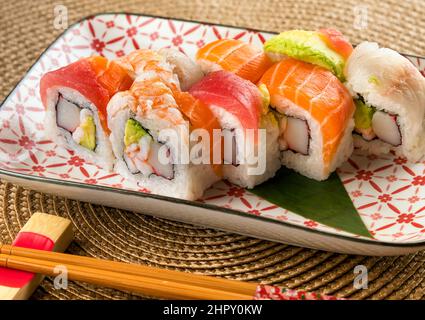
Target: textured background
x,y
26,29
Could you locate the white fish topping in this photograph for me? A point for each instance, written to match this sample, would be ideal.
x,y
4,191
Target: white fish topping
x,y
187,71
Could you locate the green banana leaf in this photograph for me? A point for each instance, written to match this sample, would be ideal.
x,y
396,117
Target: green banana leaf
x,y
326,202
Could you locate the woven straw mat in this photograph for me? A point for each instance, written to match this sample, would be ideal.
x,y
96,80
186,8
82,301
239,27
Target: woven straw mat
x,y
26,28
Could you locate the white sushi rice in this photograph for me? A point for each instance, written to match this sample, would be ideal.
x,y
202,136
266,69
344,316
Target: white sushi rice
x,y
240,175
389,82
312,165
189,181
102,154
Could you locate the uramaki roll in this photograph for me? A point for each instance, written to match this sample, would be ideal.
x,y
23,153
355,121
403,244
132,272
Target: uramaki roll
x,y
138,119
75,98
315,115
239,107
389,93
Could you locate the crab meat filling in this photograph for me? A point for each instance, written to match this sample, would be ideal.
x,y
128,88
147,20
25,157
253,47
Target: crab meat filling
x,y
144,155
371,123
79,122
386,127
294,134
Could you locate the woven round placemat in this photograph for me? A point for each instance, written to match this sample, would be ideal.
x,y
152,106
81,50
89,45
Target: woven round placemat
x,y
26,28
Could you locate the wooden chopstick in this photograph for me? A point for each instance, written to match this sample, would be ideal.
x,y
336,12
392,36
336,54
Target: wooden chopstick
x,y
120,281
128,277
134,269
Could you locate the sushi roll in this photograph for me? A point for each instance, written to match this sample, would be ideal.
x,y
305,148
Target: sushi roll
x,y
75,98
389,94
327,48
138,119
315,117
238,105
243,59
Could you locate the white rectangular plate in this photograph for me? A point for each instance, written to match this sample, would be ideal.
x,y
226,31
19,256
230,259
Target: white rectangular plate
x,y
388,192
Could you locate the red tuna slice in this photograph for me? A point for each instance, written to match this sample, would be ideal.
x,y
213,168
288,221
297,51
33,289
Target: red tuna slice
x,y
336,41
80,77
237,96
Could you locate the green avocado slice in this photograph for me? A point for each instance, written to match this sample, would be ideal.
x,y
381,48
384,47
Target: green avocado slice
x,y
133,132
363,114
89,133
307,46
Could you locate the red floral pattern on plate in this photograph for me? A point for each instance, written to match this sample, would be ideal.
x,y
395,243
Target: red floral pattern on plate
x,y
266,292
388,192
